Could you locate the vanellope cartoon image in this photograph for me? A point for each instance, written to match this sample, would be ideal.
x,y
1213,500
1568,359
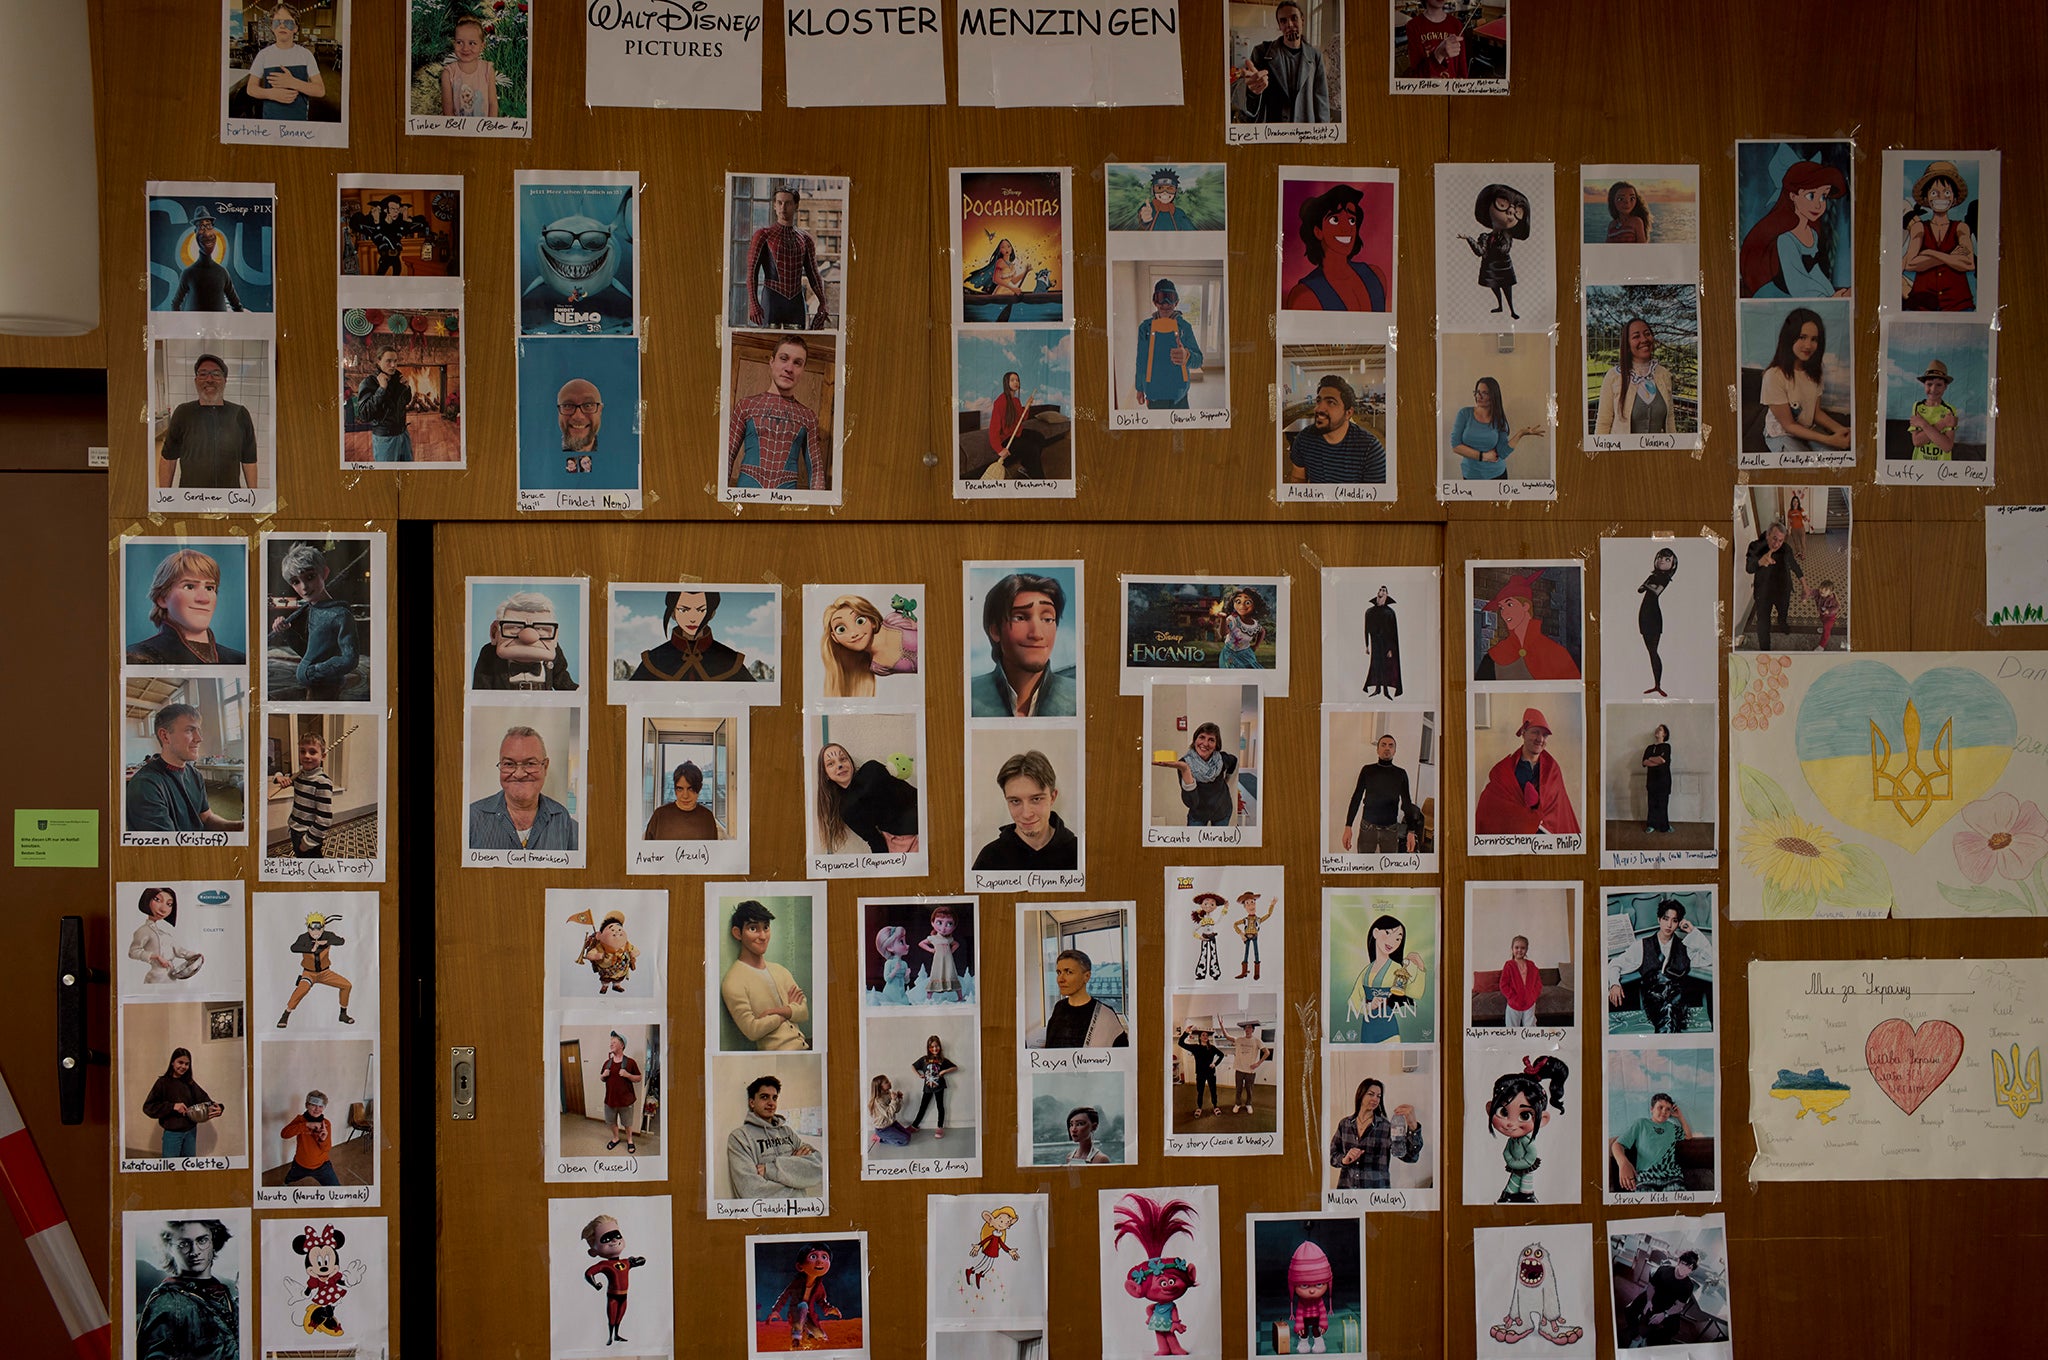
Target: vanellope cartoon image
x,y
1533,1305
805,1297
1160,1280
524,651
1517,1111
1504,211
327,1281
611,956
989,1245
612,1271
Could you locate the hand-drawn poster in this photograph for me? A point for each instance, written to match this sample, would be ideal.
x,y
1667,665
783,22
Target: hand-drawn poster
x,y
1169,335
1287,76
1640,259
1795,285
1002,1245
1496,242
1938,375
1381,995
1305,1284
1671,1287
706,55
1897,1069
399,304
1534,1280
2015,564
1335,321
1083,55
284,73
469,72
1893,783
1162,1271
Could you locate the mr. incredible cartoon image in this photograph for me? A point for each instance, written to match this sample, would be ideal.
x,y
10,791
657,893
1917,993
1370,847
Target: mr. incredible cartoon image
x,y
576,259
612,1271
327,1281
524,650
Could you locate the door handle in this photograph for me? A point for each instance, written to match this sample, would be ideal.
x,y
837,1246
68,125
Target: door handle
x,y
74,1054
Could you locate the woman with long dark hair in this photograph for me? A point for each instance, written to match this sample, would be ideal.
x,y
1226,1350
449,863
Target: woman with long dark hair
x,y
1657,765
1790,252
1389,985
1794,421
864,801
1480,435
1628,218
179,1103
1635,396
1650,615
1366,1141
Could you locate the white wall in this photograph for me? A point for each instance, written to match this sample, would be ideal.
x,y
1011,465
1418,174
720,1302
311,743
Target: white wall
x,y
1542,914
1353,743
1695,745
1219,704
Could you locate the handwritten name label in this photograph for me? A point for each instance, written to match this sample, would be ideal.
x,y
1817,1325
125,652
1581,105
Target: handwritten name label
x,y
900,863
1250,134
1195,835
1068,1059
796,1207
1330,493
1869,986
317,1194
343,870
1907,473
1530,1035
684,853
1034,880
1652,859
1538,844
525,859
1798,459
1350,862
459,126
919,1166
142,1165
1220,1142
1013,487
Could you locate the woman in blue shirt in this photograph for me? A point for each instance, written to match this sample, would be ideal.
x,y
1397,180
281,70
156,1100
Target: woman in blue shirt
x,y
1480,435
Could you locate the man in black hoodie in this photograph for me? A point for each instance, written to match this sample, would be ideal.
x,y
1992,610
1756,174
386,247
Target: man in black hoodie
x,y
1036,838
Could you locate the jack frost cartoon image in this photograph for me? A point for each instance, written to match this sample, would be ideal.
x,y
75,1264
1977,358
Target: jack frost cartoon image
x,y
1534,1306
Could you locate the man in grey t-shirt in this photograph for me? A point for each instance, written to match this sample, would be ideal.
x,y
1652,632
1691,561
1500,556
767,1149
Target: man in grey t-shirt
x,y
211,441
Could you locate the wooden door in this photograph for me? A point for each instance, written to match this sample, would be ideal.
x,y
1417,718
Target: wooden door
x,y
572,1077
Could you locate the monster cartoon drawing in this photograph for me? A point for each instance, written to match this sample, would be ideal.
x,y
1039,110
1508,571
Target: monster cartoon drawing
x,y
1534,1305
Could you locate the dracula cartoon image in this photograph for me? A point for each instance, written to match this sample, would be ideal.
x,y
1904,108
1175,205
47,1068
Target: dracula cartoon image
x,y
327,1282
525,649
579,259
1534,1306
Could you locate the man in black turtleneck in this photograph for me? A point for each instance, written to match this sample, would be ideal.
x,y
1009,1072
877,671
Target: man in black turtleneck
x,y
1392,821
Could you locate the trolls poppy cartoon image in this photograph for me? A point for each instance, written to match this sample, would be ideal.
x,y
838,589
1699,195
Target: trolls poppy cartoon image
x,y
1160,1280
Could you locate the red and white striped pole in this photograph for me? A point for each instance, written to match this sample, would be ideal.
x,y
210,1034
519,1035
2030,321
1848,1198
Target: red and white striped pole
x,y
40,1216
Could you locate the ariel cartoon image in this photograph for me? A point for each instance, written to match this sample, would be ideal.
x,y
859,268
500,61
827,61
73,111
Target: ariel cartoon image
x,y
1790,252
860,642
893,944
1160,1279
1518,1109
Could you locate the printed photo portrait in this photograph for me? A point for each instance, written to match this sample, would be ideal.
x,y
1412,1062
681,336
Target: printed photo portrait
x,y
1335,421
1169,336
1013,256
185,603
1286,71
1031,619
1527,621
1176,197
1798,393
1174,625
1645,205
1937,392
212,251
524,770
184,1082
765,1134
596,1246
1081,1118
285,65
322,796
186,939
1792,581
919,952
808,1294
316,1125
1382,630
865,651
786,252
528,633
1528,770
610,953
1207,752
1661,778
1671,1286
865,791
1659,945
1381,956
1015,404
1159,1250
1662,1111
1380,1115
765,965
579,405
1026,808
1437,43
610,1115
1306,1284
413,231
689,774
1643,342
1080,990
213,419
184,758
331,1279
401,377
467,65
920,1089
1381,786
316,962
188,1281
1004,1249
1793,217
1336,245
321,618
1523,1119
1659,602
1493,408
1233,1037
1945,229
695,641
1496,265
1522,952
1535,1280
782,407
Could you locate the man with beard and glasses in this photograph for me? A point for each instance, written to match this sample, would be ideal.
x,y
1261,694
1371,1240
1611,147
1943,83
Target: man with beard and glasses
x,y
581,409
1332,448
209,442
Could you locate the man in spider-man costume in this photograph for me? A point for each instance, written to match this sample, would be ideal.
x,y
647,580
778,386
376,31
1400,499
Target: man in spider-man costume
x,y
788,257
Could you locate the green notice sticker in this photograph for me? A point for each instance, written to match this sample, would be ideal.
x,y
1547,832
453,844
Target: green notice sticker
x,y
56,838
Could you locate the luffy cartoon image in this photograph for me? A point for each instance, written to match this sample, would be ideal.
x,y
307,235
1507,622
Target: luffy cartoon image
x,y
1160,1279
327,1282
1533,1305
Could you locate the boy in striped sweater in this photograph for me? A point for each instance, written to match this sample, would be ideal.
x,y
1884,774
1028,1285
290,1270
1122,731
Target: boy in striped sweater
x,y
312,798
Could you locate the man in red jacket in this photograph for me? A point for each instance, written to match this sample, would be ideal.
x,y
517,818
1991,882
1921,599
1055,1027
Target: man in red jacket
x,y
1525,791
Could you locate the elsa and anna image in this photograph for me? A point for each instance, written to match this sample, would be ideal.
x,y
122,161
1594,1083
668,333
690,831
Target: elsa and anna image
x,y
1389,989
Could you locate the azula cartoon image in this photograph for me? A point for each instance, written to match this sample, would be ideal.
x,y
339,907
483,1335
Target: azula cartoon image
x,y
804,1295
612,1272
1160,1280
1533,1304
525,648
691,652
326,1282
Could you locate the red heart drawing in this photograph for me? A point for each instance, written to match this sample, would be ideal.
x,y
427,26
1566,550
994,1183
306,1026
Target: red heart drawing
x,y
1909,1065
